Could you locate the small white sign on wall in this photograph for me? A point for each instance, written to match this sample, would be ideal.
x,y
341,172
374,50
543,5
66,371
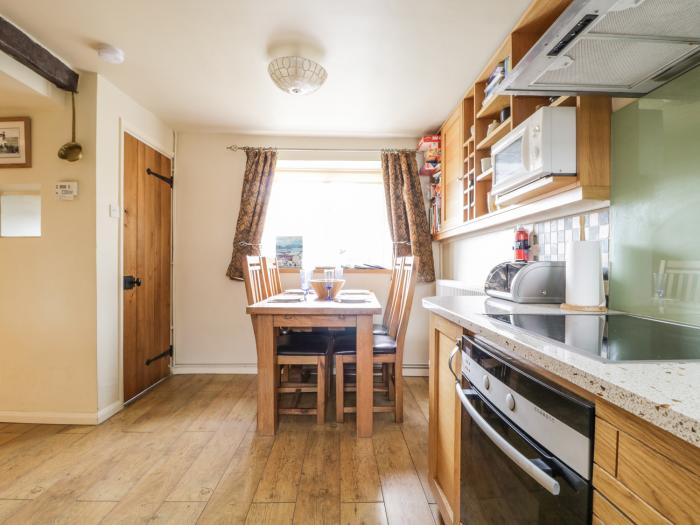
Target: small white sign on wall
x,y
20,215
67,190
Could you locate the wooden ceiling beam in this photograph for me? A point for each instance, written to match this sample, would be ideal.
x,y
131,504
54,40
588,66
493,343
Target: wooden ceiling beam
x,y
26,51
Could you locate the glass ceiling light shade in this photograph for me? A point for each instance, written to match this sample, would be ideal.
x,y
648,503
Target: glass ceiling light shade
x,y
297,75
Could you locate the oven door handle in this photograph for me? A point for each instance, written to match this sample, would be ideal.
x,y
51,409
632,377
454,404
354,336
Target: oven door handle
x,y
454,352
541,477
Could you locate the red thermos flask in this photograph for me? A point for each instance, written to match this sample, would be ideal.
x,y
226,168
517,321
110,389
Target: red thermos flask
x,y
522,244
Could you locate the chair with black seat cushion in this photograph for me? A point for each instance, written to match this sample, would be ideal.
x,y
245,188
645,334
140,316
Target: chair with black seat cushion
x,y
391,299
292,348
387,349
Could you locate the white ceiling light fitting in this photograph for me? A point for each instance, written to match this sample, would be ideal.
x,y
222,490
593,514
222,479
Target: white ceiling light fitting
x,y
294,69
110,54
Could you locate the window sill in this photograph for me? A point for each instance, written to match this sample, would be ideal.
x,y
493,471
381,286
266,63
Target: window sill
x,y
345,270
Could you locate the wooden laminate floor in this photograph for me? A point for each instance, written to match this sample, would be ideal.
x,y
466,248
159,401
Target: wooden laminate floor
x,y
187,452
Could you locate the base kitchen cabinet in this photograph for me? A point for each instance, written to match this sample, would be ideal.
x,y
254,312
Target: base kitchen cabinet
x,y
445,418
641,473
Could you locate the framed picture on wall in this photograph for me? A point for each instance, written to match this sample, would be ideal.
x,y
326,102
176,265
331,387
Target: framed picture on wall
x,y
15,142
290,250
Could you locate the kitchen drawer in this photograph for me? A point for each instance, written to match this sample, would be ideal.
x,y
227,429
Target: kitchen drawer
x,y
667,486
606,512
644,473
633,507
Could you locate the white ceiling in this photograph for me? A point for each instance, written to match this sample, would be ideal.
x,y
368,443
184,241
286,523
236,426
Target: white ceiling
x,y
395,67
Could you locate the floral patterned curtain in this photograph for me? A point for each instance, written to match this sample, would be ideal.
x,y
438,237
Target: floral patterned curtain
x,y
408,221
257,183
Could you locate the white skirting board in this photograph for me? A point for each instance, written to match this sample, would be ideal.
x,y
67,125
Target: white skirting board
x,y
109,411
409,370
241,368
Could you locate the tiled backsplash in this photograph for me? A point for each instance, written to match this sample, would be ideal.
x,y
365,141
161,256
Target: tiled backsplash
x,y
548,238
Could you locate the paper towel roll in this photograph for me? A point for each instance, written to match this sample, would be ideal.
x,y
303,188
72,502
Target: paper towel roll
x,y
584,275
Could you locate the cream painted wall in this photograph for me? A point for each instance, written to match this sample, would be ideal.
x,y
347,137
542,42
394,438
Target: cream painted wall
x,y
116,112
60,293
48,284
212,330
469,259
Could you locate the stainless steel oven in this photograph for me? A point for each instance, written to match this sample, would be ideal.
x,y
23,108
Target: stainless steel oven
x,y
527,444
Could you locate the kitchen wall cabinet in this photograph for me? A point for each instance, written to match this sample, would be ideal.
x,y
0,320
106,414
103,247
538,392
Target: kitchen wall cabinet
x,y
481,120
452,175
641,473
445,419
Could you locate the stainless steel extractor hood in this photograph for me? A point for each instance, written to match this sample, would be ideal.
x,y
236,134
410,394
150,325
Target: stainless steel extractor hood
x,y
620,47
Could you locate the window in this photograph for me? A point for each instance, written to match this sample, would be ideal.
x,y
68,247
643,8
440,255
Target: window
x,y
338,208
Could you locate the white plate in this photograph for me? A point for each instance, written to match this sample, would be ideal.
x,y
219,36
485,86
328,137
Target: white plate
x,y
293,299
354,292
294,291
351,300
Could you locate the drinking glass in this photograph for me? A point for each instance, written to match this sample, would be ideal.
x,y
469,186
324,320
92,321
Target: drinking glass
x,y
338,272
305,276
659,279
328,280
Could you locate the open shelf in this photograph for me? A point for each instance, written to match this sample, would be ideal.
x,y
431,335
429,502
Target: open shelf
x,y
485,176
564,101
503,51
496,135
466,143
494,106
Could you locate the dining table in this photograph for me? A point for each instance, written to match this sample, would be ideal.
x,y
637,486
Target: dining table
x,y
270,315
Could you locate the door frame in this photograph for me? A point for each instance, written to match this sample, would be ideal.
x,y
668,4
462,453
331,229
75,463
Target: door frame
x,y
127,127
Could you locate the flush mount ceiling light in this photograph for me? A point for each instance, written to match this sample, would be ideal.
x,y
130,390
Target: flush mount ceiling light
x,y
293,69
110,54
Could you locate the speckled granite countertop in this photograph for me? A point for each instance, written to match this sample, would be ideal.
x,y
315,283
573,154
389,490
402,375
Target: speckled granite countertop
x,y
666,394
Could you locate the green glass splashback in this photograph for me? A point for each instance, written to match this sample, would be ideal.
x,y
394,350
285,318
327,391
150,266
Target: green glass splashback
x,y
655,203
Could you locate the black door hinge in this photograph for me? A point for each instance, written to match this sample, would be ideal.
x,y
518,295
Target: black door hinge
x,y
168,180
167,353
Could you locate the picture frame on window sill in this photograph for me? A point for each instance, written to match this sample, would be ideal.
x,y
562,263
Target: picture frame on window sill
x,y
15,142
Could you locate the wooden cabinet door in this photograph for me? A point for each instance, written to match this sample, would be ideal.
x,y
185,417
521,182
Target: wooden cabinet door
x,y
453,170
147,257
641,473
445,419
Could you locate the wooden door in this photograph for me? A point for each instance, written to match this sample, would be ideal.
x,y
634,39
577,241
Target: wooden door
x,y
453,170
445,410
147,256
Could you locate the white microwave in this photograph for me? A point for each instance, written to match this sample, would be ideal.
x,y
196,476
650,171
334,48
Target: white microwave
x,y
542,145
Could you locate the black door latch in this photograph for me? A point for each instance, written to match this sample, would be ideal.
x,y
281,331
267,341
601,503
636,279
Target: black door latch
x,y
131,282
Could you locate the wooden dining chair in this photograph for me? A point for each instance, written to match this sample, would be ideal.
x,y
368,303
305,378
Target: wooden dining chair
x,y
272,273
256,287
292,348
387,349
390,308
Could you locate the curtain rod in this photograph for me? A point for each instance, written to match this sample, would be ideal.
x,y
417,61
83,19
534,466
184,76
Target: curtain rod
x,y
236,147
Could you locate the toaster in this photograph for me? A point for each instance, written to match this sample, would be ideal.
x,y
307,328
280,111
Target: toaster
x,y
528,282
